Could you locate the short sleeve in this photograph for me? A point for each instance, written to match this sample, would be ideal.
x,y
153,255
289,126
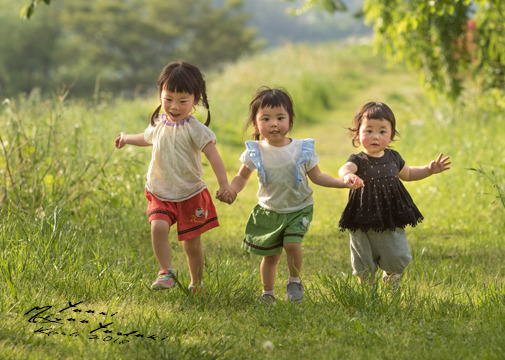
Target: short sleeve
x,y
397,159
201,134
314,160
148,134
246,160
354,158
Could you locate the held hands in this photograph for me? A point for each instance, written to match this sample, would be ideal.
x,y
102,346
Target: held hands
x,y
226,194
352,181
120,141
439,165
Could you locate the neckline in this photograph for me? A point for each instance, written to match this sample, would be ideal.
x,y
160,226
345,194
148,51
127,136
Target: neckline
x,y
267,145
164,119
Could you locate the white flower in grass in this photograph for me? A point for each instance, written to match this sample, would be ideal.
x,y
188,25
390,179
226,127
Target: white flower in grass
x,y
268,345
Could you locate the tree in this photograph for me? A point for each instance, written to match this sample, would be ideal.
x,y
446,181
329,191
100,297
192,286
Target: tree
x,y
25,60
444,40
117,45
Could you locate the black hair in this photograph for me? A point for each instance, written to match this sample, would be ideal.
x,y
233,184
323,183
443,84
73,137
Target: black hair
x,y
269,98
372,110
179,77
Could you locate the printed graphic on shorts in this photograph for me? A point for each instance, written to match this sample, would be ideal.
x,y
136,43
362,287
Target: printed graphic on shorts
x,y
200,215
304,224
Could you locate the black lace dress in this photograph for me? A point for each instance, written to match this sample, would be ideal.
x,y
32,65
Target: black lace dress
x,y
383,203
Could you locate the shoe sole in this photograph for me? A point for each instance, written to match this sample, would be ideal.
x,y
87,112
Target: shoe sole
x,y
159,286
294,301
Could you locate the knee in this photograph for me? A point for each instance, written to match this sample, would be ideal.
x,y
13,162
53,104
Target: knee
x,y
159,227
271,259
192,246
290,247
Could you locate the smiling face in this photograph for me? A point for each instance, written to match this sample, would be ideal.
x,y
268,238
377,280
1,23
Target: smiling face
x,y
273,124
375,135
177,105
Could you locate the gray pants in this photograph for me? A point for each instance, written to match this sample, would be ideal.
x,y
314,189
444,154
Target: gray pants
x,y
386,250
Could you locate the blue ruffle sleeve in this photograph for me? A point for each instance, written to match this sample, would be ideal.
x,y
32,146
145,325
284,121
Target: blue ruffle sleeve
x,y
255,156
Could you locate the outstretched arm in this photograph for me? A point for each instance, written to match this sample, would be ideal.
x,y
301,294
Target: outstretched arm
x,y
217,164
348,175
420,172
130,139
322,179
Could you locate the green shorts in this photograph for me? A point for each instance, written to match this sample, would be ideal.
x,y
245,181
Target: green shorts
x,y
266,231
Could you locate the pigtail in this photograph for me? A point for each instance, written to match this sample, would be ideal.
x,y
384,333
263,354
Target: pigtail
x,y
154,115
205,103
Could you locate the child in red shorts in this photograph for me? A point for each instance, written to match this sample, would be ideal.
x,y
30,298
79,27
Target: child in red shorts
x,y
175,189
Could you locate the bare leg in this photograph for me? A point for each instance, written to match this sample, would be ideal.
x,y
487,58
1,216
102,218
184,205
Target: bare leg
x,y
267,269
194,255
364,280
295,258
161,245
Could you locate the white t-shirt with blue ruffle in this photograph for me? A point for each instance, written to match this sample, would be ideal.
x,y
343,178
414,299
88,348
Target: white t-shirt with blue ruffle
x,y
282,173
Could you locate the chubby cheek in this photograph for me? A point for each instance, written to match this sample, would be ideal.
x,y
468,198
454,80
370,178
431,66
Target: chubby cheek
x,y
363,140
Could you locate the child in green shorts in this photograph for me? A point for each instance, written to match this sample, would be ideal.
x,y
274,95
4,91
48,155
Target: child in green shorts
x,y
284,212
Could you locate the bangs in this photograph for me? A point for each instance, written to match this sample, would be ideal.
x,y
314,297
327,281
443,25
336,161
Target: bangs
x,y
179,81
275,99
379,111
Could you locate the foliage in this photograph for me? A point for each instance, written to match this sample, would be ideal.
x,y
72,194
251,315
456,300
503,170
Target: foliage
x,y
28,52
28,10
118,46
326,5
445,41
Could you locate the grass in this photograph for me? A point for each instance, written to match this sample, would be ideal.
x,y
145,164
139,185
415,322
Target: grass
x,y
73,228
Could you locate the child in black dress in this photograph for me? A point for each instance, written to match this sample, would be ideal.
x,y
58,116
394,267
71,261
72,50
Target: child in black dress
x,y
379,206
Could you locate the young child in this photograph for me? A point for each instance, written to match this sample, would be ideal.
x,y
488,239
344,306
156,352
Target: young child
x,y
379,206
284,212
174,189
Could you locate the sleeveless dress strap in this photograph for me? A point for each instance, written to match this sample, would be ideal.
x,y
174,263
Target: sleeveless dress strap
x,y
255,155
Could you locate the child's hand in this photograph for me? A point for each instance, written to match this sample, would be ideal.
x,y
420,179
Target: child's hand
x,y
226,194
120,141
353,181
439,165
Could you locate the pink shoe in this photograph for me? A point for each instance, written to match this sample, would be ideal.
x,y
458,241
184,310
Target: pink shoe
x,y
166,280
393,280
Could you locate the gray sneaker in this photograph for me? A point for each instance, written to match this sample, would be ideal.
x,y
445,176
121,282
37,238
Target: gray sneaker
x,y
294,292
267,299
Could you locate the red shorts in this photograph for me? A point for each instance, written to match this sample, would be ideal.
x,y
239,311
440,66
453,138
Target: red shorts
x,y
193,216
